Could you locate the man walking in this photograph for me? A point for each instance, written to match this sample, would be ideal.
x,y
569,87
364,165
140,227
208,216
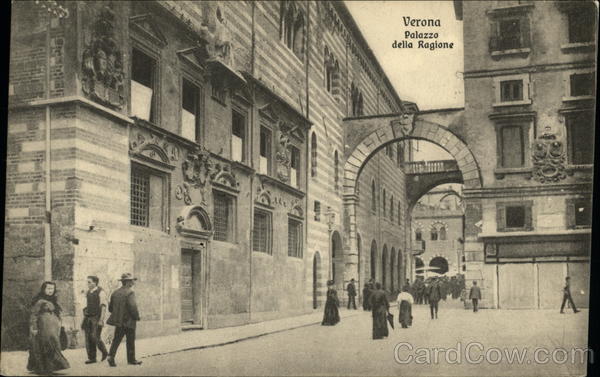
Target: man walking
x,y
567,296
124,314
475,295
434,298
93,319
351,294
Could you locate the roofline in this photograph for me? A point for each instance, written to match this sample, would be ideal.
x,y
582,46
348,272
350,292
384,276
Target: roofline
x,y
345,13
448,109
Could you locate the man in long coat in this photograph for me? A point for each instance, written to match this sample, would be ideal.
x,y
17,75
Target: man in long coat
x,y
434,298
379,309
567,296
351,294
475,295
123,315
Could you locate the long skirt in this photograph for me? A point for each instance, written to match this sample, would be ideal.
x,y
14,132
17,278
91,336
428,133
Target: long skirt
x,y
380,328
44,352
331,315
405,316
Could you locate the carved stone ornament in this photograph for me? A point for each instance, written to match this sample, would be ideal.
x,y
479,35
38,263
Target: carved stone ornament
x,y
263,196
548,158
196,167
403,126
147,144
283,157
102,65
183,192
222,174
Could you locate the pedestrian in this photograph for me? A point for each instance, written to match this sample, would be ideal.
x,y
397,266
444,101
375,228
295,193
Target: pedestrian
x,y
426,292
464,297
123,315
93,319
475,295
45,356
379,309
406,286
434,298
331,316
351,294
366,296
567,296
405,302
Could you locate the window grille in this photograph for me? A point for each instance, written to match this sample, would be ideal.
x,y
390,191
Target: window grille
x,y
294,238
140,187
222,211
262,232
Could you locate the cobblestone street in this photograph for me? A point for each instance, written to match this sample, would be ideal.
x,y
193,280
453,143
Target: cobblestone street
x,y
347,349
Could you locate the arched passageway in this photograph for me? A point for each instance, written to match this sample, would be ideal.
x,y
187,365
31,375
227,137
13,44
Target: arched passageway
x,y
384,267
419,267
337,260
439,265
373,260
392,265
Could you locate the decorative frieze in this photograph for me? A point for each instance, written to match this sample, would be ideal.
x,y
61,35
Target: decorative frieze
x,y
548,159
147,144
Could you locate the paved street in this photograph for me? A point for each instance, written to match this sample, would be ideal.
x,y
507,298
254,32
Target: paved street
x,y
347,349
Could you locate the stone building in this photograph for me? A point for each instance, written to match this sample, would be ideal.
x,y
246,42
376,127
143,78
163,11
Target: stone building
x,y
198,145
529,75
437,223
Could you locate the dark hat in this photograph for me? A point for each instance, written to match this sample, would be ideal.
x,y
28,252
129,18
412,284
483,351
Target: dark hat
x,y
127,276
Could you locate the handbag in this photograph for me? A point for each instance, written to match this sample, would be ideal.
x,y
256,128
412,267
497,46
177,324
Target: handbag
x,y
64,339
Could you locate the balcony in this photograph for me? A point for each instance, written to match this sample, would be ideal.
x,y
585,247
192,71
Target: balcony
x,y
418,247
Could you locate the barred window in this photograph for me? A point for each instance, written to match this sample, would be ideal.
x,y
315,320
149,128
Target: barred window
x,y
223,217
148,197
294,238
261,238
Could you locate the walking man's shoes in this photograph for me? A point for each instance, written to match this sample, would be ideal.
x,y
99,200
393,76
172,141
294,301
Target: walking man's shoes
x,y
577,311
104,356
90,361
134,362
111,361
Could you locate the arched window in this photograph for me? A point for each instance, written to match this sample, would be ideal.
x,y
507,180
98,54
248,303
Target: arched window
x,y
384,203
443,233
292,26
313,155
373,197
392,208
418,235
336,170
298,43
356,100
434,234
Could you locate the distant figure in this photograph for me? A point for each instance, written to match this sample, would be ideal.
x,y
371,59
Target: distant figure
x,y
567,296
379,309
123,315
93,320
366,296
464,298
331,315
405,302
406,286
475,296
45,355
434,298
351,294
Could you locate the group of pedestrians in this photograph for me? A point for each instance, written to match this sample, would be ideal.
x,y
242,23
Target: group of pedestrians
x,y
421,288
47,337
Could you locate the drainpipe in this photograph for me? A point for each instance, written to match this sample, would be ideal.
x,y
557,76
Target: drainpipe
x,y
47,146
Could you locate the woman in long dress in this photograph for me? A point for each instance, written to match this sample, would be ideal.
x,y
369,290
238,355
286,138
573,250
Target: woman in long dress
x,y
379,309
331,315
405,302
45,354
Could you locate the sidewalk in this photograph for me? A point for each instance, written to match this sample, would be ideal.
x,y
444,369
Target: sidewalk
x,y
15,363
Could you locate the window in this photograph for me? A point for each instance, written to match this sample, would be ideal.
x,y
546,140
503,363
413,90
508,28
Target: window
x,y
511,90
317,209
434,234
332,72
223,217
336,171
261,234
148,195
580,137
357,100
512,146
383,202
443,233
292,27
295,166
313,155
514,216
218,91
579,213
418,235
190,110
509,33
294,238
264,163
143,86
373,197
582,84
582,24
392,209
399,213
238,131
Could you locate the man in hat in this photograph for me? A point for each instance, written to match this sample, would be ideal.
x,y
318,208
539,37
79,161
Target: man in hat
x,y
123,315
351,294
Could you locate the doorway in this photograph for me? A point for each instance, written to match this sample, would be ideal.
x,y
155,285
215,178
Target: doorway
x,y
189,299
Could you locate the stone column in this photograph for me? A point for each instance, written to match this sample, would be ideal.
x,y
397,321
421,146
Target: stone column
x,y
350,245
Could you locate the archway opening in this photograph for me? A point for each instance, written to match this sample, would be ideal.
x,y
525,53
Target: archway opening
x,y
392,263
439,265
419,267
373,260
316,279
384,267
337,260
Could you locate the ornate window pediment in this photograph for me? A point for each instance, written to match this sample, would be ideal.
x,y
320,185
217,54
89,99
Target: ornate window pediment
x,y
194,221
145,25
150,146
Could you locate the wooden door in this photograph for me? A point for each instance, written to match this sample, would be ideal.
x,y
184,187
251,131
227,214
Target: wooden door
x,y
187,287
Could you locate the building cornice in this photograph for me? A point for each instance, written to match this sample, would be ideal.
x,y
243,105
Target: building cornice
x,y
530,69
521,191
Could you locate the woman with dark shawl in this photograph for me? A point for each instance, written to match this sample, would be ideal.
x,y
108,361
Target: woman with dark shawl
x,y
366,297
405,301
331,315
45,354
379,309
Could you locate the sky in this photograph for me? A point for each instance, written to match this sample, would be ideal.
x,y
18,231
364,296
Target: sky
x,y
432,79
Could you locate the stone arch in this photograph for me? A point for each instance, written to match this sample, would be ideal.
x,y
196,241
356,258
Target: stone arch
x,y
373,260
419,266
399,269
440,263
392,264
337,260
194,221
384,263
